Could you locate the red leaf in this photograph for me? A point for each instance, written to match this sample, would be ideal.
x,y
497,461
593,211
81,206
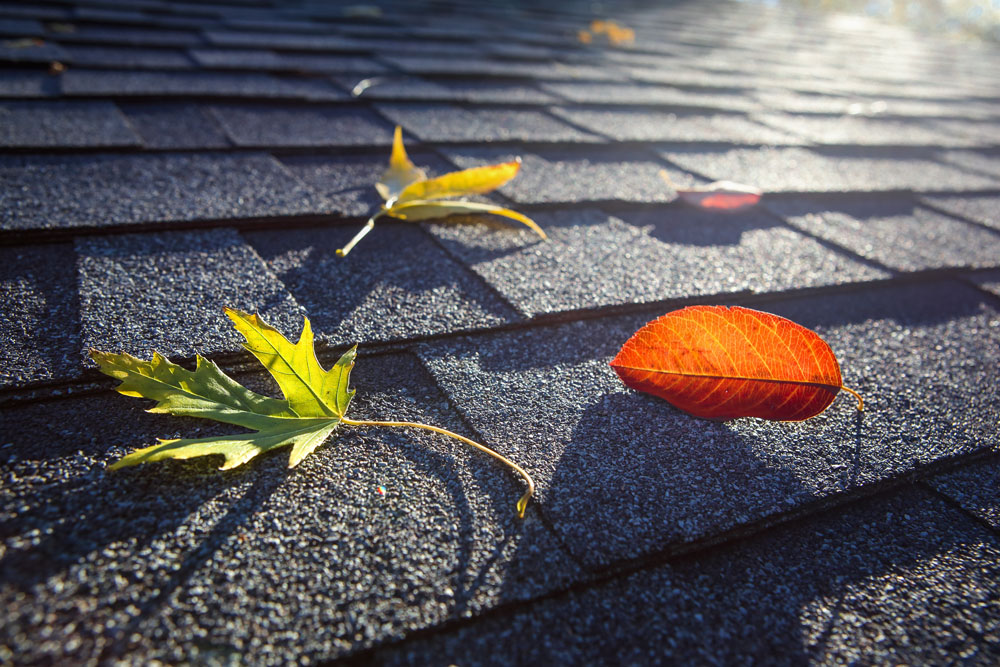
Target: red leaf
x,y
722,196
723,363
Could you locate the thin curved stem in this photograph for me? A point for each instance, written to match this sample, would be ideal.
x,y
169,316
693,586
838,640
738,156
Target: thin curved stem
x,y
522,503
861,401
370,225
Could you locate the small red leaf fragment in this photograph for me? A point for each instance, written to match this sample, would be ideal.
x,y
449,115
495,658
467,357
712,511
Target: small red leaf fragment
x,y
722,196
723,362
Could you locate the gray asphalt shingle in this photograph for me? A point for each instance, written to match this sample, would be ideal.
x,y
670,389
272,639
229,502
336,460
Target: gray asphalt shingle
x,y
56,124
801,170
402,87
40,328
173,126
167,158
130,83
396,284
634,93
141,293
668,478
132,57
983,209
975,487
358,567
593,259
249,125
439,123
573,176
28,84
893,231
642,125
864,131
124,190
903,581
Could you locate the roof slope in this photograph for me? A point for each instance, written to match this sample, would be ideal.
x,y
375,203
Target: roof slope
x,y
161,161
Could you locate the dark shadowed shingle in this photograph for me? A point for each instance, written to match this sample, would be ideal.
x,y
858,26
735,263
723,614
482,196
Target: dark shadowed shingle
x,y
984,209
128,57
249,125
31,50
902,580
152,557
451,123
20,27
165,292
123,83
28,84
64,124
122,190
172,126
989,281
593,259
666,477
975,487
396,284
40,327
346,184
893,231
259,59
123,35
277,40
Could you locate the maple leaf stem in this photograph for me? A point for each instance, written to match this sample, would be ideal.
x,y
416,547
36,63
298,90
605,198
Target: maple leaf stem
x,y
861,401
342,252
522,503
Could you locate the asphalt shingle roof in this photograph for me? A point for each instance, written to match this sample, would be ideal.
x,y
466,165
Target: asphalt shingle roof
x,y
160,161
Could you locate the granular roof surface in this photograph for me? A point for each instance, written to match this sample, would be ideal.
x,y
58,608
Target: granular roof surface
x,y
160,160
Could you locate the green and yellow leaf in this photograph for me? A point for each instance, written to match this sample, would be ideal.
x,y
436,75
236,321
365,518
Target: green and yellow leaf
x,y
309,390
410,195
316,399
476,180
427,210
401,172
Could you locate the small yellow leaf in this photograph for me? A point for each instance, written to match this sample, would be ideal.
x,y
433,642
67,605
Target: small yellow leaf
x,y
401,172
476,180
427,210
